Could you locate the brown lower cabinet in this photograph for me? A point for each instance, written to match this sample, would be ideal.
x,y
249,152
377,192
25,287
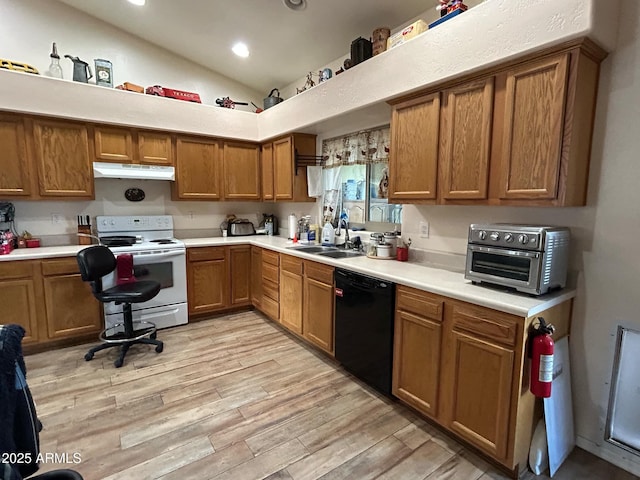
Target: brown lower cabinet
x,y
318,305
49,300
218,278
465,367
71,308
299,295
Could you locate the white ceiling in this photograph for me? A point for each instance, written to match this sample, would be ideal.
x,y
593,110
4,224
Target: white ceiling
x,y
285,45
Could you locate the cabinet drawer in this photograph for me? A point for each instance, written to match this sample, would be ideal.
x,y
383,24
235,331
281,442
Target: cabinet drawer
x,y
205,253
270,257
271,290
270,308
270,273
494,326
318,271
60,266
16,270
291,264
419,303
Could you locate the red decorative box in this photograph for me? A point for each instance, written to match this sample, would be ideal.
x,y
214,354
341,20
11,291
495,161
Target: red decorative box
x,y
33,242
171,93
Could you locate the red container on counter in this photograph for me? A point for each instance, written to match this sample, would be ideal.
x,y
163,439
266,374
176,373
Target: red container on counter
x,y
402,254
33,242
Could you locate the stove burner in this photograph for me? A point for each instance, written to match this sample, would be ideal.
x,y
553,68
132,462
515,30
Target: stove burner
x,y
163,241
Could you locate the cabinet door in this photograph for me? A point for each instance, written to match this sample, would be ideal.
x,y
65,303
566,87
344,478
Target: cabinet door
x,y
198,170
318,313
15,172
155,148
267,171
416,361
256,276
240,269
533,129
241,164
62,156
413,160
207,280
480,376
113,145
18,294
465,140
283,169
72,310
291,301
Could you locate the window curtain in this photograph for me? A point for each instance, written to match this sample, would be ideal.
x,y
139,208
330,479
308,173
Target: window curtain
x,y
358,148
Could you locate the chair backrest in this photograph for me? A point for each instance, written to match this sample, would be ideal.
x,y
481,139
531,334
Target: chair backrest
x,y
95,262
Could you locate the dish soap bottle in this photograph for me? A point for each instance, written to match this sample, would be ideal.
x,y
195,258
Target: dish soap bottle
x,y
55,70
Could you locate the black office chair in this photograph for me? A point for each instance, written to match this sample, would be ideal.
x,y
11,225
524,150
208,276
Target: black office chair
x,y
96,262
19,424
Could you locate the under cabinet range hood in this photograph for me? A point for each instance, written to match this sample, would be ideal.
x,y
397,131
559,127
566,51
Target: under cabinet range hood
x,y
125,170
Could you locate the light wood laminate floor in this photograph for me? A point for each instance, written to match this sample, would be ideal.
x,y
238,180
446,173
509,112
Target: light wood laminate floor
x,y
235,397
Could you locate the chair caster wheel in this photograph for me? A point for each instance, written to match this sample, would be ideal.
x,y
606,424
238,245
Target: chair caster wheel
x,y
88,356
153,336
118,363
159,348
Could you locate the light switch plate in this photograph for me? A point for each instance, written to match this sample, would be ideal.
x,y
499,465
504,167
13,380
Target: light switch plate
x,y
424,229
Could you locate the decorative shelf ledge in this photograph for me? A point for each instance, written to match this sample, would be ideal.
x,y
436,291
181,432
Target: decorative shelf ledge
x,y
493,32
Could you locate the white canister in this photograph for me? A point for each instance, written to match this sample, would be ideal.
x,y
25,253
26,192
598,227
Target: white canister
x,y
293,226
384,250
392,239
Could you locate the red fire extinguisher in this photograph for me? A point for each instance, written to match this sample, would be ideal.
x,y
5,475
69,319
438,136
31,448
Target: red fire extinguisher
x,y
541,359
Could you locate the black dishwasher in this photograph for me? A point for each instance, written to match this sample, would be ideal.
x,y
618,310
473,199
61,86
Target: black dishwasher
x,y
364,327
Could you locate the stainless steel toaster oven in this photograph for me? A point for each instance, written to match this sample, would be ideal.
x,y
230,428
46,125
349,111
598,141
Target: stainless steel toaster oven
x,y
529,258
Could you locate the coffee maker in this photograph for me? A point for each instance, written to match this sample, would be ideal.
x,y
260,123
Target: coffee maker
x,y
269,217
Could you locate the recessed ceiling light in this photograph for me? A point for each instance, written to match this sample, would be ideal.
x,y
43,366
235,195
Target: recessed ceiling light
x,y
138,2
296,4
240,49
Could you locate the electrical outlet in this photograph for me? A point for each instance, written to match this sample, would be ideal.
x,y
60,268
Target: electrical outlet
x,y
424,229
56,218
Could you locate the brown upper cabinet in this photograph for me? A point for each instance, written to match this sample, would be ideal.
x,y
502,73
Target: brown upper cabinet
x,y
281,180
43,157
61,154
517,134
413,160
198,169
126,145
241,167
15,169
464,163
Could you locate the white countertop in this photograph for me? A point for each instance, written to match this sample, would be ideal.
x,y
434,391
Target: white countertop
x,y
434,280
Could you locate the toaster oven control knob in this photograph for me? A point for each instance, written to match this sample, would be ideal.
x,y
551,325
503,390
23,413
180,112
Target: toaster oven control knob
x,y
523,239
495,236
508,238
482,234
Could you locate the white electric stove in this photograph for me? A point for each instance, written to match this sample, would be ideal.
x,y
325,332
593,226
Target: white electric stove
x,y
157,255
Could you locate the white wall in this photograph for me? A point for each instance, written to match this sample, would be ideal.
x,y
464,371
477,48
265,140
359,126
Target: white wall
x,y
36,217
29,27
428,16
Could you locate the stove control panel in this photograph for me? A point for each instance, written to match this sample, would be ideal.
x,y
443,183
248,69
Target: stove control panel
x,y
134,223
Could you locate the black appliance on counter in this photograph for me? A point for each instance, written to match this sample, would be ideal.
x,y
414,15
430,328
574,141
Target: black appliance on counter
x,y
268,218
364,327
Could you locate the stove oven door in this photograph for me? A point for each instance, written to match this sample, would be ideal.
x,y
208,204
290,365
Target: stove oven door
x,y
165,266
513,268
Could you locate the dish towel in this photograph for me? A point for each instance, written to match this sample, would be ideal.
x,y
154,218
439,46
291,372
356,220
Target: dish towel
x,y
314,181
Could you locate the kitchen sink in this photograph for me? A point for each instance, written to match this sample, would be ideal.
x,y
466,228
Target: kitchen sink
x,y
314,249
341,254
